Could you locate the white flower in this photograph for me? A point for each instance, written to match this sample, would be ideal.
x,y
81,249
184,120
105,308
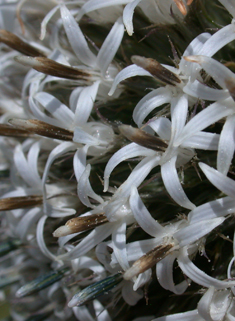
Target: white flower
x,y
99,68
226,79
181,138
183,235
156,11
190,81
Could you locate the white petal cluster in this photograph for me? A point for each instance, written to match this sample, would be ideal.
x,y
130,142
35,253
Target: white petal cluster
x,y
107,189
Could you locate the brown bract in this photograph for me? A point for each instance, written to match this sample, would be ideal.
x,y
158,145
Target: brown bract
x,y
12,203
79,224
142,138
148,260
43,129
8,130
14,42
156,69
53,68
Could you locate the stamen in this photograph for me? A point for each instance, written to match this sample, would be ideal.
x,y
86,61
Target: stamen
x,y
148,260
143,139
14,42
43,129
41,282
80,224
8,130
181,6
12,203
52,68
95,290
156,69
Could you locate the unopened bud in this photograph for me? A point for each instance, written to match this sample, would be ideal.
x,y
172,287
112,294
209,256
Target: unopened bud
x,y
80,224
95,290
12,203
14,42
52,68
156,69
43,129
148,260
142,138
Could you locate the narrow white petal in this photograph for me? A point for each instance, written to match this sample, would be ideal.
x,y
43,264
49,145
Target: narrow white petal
x,y
164,271
136,177
193,49
60,111
55,153
82,137
226,145
214,304
92,5
162,126
85,190
74,98
210,210
26,222
219,180
127,152
179,111
199,90
89,242
142,279
110,46
41,241
195,231
79,162
119,245
154,99
82,313
142,215
207,117
100,311
220,38
198,276
128,16
215,69
76,38
40,115
53,211
204,304
202,140
45,21
186,316
172,184
85,103
130,71
131,297
28,171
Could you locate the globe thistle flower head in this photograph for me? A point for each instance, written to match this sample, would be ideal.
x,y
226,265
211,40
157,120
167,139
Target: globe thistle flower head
x,y
104,193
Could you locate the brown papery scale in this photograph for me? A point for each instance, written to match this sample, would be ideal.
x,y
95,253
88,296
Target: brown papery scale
x,y
156,69
142,138
52,68
14,42
43,129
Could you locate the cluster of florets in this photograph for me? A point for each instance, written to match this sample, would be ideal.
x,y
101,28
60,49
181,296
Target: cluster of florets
x,y
116,161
